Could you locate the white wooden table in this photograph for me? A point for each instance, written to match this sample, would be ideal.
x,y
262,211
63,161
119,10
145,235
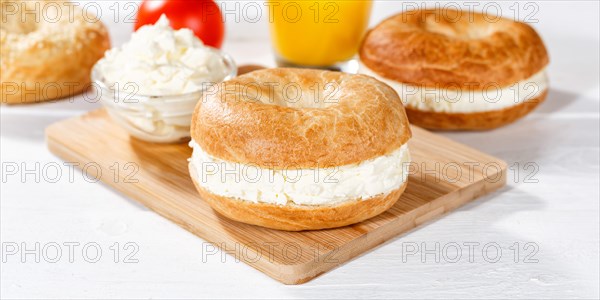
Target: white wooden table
x,y
552,217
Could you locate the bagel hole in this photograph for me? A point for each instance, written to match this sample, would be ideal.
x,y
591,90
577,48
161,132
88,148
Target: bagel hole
x,y
294,94
457,27
16,22
18,27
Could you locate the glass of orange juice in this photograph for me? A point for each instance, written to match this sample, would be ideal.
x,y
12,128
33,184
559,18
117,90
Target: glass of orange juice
x,y
318,33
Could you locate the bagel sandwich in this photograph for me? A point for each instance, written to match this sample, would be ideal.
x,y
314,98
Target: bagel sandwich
x,y
300,160
458,70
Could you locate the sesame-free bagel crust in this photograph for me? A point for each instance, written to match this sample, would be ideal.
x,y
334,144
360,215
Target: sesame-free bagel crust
x,y
453,49
362,118
49,59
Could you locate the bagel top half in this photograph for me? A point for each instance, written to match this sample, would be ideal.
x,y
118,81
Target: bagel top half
x,y
300,118
450,48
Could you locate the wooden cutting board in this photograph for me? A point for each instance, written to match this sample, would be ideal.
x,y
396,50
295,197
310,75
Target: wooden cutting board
x,y
444,175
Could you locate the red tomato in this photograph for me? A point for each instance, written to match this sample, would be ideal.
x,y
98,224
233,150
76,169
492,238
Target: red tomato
x,y
203,17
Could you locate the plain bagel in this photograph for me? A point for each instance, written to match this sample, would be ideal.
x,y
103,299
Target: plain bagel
x,y
354,127
457,69
47,54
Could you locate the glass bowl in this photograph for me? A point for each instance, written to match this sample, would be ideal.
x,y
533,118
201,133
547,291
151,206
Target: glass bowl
x,y
158,119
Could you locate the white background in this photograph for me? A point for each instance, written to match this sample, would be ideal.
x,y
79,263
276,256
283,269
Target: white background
x,y
559,214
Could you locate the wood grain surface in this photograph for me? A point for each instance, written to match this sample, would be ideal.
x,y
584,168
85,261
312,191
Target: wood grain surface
x,y
443,176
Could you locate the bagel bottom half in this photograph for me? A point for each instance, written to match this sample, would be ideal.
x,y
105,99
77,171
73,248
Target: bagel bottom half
x,y
293,217
472,121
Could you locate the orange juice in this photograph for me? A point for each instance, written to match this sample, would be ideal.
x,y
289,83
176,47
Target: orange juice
x,y
318,32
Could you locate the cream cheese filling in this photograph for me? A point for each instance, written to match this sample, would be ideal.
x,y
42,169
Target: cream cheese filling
x,y
318,186
491,97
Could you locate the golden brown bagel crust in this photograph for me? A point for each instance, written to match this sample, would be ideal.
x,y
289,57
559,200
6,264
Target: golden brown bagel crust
x,y
453,49
365,120
49,59
298,217
473,121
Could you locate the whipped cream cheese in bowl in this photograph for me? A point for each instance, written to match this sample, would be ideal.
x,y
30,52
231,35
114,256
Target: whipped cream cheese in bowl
x,y
152,83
